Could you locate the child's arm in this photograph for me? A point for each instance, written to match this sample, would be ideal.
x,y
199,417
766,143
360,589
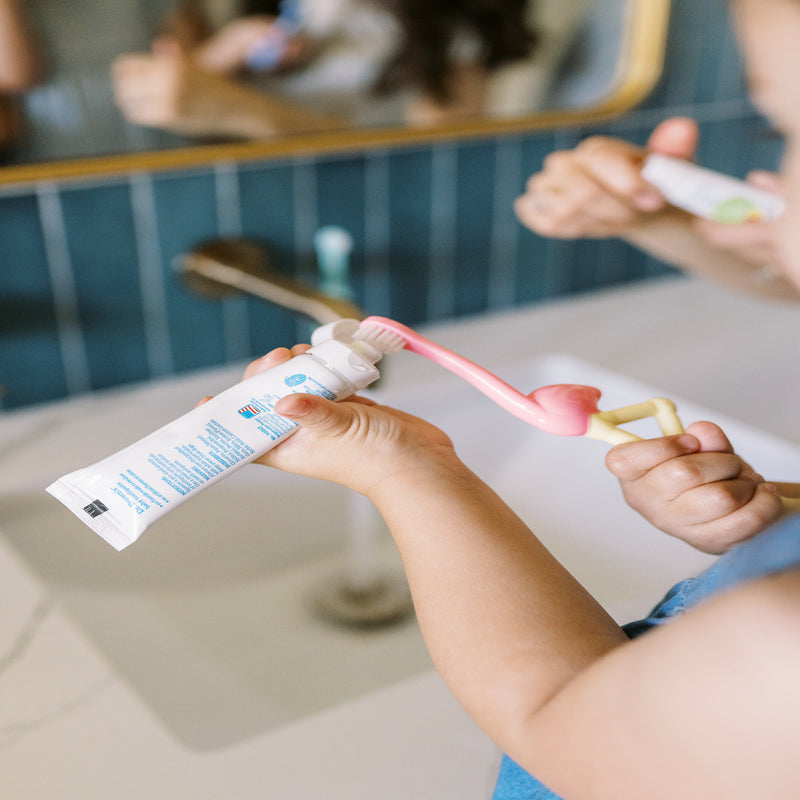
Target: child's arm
x,y
596,190
166,89
539,665
505,623
693,486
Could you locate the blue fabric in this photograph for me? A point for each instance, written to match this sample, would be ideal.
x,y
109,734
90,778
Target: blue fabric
x,y
775,550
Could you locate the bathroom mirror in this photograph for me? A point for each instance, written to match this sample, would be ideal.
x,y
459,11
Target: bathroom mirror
x,y
607,59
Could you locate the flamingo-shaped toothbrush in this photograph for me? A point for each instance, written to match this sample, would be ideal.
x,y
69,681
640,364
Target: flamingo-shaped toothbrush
x,y
563,409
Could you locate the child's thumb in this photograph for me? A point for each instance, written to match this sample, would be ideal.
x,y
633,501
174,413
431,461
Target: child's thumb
x,y
314,412
676,137
711,437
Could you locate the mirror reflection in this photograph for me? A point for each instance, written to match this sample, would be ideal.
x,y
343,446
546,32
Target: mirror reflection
x,y
112,78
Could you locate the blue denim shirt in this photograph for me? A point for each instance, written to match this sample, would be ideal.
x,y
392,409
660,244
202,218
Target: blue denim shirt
x,y
775,550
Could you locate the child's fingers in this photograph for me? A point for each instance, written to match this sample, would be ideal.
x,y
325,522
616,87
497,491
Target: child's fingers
x,y
714,500
719,535
677,137
633,460
617,166
768,181
711,437
272,359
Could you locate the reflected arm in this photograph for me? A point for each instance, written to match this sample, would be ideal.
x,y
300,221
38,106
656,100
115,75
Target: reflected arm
x,y
20,65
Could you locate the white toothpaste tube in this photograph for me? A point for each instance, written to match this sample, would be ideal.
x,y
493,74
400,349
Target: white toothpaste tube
x,y
120,496
709,194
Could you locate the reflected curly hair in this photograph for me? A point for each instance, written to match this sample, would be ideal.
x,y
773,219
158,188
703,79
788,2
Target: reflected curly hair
x,y
429,28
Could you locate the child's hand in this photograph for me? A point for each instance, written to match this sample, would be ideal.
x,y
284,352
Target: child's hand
x,y
596,190
355,442
753,242
694,487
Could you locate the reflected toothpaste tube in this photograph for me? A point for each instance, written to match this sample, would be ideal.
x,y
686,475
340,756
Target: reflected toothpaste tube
x,y
709,194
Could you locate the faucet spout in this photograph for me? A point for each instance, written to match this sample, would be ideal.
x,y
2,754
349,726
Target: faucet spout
x,y
221,267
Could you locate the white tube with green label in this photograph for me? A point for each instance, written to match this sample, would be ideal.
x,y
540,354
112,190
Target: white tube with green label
x,y
709,194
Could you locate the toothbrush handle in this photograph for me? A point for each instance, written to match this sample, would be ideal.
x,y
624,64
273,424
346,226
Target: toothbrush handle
x,y
498,390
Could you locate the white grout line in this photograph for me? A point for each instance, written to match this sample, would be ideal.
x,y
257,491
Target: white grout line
x,y
151,276
504,241
229,206
377,226
65,297
236,327
441,300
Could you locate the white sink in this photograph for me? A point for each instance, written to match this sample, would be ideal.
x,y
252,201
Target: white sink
x,y
207,616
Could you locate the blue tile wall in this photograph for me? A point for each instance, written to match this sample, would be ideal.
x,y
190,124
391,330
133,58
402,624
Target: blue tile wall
x,y
88,292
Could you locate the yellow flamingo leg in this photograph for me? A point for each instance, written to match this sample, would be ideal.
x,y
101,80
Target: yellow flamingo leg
x,y
604,425
791,505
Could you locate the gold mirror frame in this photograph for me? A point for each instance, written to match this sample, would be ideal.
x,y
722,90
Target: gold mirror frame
x,y
638,70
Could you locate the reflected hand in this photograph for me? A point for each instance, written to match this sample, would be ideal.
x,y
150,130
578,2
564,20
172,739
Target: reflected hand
x,y
164,89
754,242
228,49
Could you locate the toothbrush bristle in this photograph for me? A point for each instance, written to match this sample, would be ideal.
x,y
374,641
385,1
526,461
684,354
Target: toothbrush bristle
x,y
387,341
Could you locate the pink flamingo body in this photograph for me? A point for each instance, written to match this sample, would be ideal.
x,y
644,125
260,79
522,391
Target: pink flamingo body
x,y
564,409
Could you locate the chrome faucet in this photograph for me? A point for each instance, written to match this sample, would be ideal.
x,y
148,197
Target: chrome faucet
x,y
219,267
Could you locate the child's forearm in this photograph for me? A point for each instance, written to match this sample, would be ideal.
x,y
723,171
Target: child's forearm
x,y
506,624
20,64
670,237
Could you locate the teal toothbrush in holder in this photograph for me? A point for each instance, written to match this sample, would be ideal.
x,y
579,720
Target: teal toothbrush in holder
x,y
333,246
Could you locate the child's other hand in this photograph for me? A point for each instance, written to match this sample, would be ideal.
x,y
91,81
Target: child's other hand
x,y
596,190
355,442
754,242
694,487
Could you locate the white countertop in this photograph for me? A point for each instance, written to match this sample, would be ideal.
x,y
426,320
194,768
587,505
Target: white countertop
x,y
70,729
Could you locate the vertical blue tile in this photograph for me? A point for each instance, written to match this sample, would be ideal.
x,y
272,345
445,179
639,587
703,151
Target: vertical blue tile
x,y
692,65
409,233
538,257
759,146
736,146
187,215
30,359
730,79
102,249
341,201
475,210
267,198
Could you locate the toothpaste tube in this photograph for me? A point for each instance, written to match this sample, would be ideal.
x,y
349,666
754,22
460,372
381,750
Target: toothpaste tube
x,y
120,496
710,194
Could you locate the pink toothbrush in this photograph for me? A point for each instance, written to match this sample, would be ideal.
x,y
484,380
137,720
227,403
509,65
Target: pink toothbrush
x,y
562,409
565,409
